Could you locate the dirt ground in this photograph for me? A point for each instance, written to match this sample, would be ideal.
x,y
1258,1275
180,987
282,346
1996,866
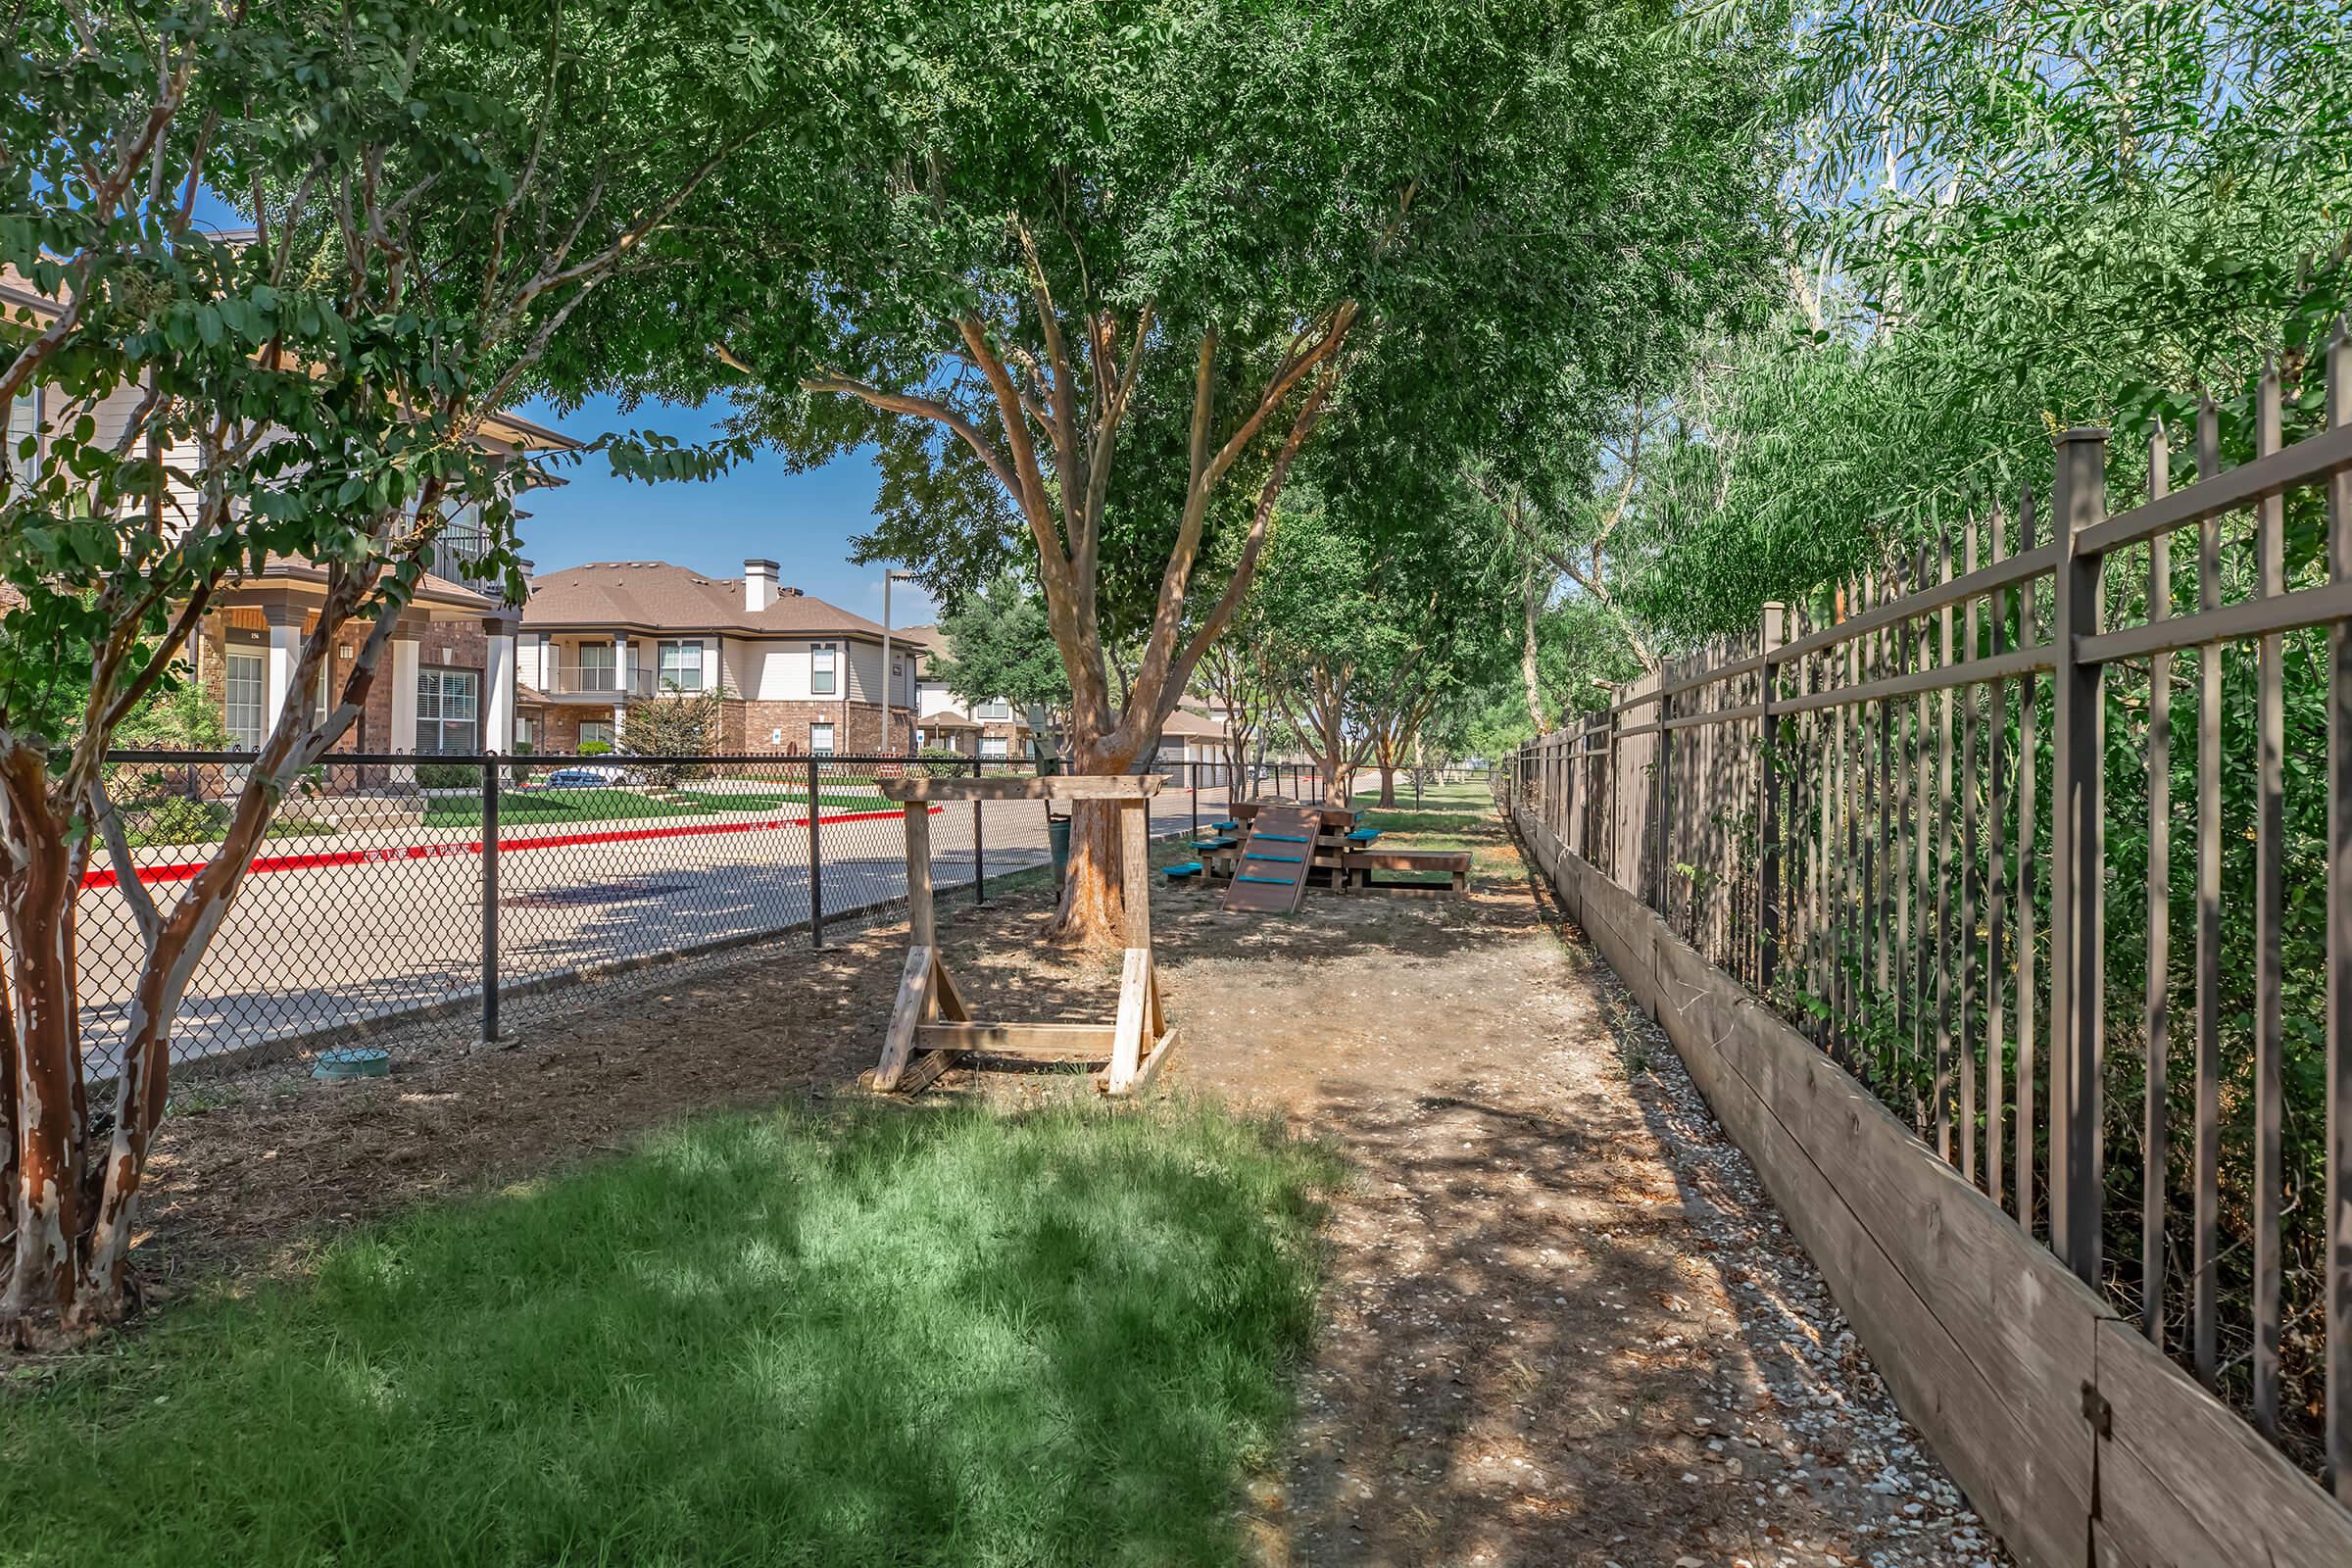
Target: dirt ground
x,y
1562,1323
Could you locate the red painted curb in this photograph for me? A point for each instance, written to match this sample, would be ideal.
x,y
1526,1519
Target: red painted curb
x,y
263,863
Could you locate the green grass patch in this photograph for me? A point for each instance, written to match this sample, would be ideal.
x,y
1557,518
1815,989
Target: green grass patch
x,y
593,805
1451,816
939,1337
550,806
781,799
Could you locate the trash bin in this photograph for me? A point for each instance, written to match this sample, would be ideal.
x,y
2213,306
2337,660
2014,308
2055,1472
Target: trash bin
x,y
1057,838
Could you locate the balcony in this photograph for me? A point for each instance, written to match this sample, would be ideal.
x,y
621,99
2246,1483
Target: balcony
x,y
599,682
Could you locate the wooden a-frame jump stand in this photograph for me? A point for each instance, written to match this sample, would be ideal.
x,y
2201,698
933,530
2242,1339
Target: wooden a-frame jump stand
x,y
931,1029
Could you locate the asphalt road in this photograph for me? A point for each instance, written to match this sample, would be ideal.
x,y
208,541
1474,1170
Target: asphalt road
x,y
374,923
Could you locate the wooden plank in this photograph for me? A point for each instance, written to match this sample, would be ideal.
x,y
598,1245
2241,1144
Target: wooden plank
x,y
921,930
1408,860
1135,871
2270,908
1134,1005
1158,1057
1091,1041
907,1013
2183,1480
926,1070
1025,787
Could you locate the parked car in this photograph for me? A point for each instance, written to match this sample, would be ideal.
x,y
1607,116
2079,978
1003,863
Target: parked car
x,y
586,778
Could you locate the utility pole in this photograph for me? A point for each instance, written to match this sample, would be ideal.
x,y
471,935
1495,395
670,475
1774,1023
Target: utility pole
x,y
890,574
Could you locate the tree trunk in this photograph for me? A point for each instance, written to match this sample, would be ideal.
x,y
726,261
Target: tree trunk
x,y
1530,667
46,1200
1388,784
1094,911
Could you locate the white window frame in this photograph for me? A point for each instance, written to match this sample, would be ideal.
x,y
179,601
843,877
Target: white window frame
x,y
994,747
609,666
244,737
815,747
439,687
687,676
996,708
604,725
824,665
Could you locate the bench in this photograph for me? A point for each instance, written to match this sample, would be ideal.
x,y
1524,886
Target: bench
x,y
1363,866
1182,870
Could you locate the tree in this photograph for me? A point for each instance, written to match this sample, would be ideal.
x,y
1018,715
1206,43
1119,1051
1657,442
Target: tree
x,y
1368,626
1128,260
674,723
432,198
1233,675
1000,648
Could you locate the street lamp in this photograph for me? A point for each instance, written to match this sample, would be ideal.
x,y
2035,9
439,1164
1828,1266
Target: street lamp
x,y
890,575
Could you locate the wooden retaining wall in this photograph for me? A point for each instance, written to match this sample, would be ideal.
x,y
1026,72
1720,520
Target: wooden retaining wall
x,y
2075,1438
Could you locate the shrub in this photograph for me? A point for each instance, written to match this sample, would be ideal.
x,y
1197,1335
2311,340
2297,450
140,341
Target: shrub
x,y
674,724
595,748
177,819
447,775
521,771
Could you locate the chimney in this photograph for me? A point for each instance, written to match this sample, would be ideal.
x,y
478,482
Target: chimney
x,y
759,584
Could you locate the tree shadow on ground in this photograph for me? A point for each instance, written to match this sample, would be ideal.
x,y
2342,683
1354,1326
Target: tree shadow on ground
x,y
925,1338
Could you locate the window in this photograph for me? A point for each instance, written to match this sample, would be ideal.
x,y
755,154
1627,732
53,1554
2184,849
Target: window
x,y
596,667
820,740
241,703
991,745
526,734
23,416
999,708
596,732
820,671
681,666
448,711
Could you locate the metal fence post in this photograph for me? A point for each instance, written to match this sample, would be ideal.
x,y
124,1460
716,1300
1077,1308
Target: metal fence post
x,y
816,865
1773,633
1193,772
979,855
490,788
2077,900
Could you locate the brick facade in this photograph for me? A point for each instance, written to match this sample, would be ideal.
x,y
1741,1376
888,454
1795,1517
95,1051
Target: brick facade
x,y
445,644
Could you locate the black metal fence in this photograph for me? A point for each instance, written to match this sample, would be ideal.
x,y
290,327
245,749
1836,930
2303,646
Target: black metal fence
x,y
394,889
2053,847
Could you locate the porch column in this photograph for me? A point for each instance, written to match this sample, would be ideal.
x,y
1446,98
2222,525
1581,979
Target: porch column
x,y
498,684
277,669
620,683
404,691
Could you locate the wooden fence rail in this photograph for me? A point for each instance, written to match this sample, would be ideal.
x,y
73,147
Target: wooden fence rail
x,y
1930,819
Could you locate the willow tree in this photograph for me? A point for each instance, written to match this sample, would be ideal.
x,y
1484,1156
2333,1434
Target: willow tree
x,y
435,190
1127,261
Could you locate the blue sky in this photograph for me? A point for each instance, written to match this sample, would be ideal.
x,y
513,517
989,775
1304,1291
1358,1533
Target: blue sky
x,y
804,521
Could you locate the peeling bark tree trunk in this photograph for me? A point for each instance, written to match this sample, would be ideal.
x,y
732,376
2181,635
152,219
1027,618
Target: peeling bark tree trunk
x,y
46,1198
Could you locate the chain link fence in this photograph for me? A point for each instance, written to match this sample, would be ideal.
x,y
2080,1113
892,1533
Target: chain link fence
x,y
395,889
